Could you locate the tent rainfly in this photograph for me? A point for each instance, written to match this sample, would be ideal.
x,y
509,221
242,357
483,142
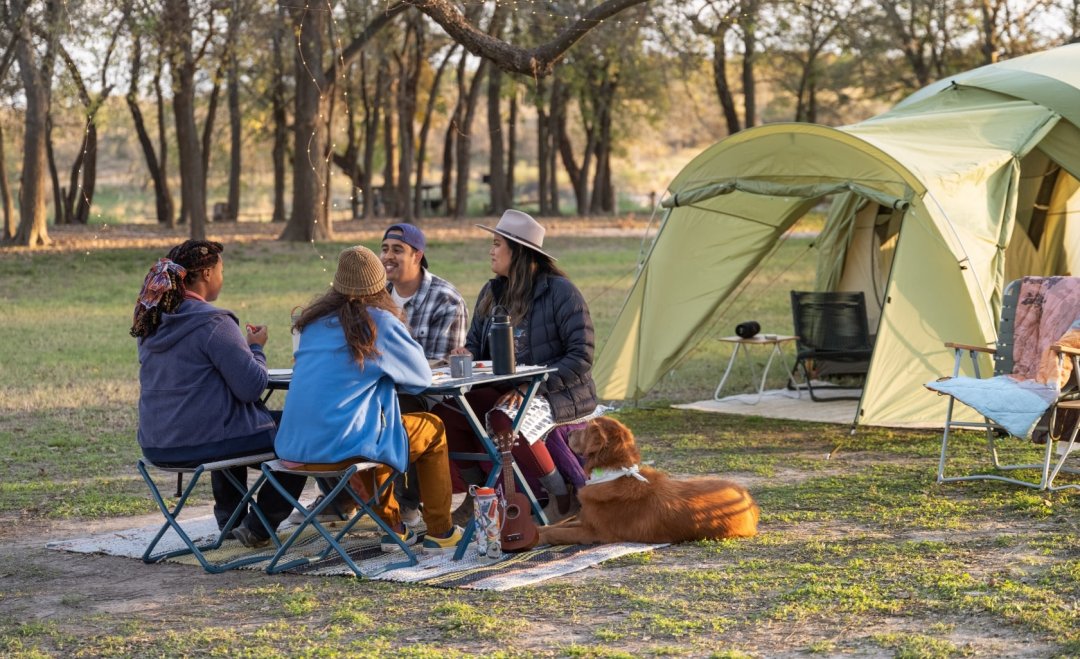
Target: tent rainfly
x,y
960,188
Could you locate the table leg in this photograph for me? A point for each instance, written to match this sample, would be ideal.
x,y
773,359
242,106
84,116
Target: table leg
x,y
495,456
727,371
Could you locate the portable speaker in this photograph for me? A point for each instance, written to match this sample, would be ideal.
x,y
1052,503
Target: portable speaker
x,y
747,329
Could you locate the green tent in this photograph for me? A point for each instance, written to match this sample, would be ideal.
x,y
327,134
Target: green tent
x,y
935,206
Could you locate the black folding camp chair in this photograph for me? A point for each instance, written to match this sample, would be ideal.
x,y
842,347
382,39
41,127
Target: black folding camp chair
x,y
833,340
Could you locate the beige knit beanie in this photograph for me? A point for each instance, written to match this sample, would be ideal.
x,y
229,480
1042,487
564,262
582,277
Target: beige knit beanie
x,y
359,272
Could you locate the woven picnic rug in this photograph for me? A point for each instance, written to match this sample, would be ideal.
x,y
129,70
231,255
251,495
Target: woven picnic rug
x,y
472,571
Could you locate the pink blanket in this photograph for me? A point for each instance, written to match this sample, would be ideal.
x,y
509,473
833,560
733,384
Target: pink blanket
x,y
1047,312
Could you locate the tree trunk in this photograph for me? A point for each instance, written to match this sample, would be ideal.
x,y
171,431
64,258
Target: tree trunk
x,y
208,129
450,142
720,81
166,207
161,187
278,114
511,148
372,108
543,145
82,204
308,221
748,84
464,141
425,126
496,157
32,231
192,187
389,190
410,67
10,226
59,216
232,204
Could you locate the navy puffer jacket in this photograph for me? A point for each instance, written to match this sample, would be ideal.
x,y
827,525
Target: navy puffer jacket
x,y
558,332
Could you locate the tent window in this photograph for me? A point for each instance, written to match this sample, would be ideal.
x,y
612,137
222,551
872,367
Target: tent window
x,y
1037,225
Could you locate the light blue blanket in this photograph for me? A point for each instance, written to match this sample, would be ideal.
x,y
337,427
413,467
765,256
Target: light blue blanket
x,y
1016,405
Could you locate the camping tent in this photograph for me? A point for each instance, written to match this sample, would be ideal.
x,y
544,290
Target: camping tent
x,y
936,205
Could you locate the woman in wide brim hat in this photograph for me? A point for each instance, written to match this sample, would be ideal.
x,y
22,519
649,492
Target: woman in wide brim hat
x,y
552,327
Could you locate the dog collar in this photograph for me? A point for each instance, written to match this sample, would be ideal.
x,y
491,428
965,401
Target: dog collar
x,y
605,475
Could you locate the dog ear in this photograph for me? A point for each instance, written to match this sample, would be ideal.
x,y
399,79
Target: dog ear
x,y
618,447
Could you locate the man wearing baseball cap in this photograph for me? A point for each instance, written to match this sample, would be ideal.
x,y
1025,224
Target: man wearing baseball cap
x,y
438,319
435,312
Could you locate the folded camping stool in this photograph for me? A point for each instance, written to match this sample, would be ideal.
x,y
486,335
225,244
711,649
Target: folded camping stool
x,y
339,476
172,515
999,432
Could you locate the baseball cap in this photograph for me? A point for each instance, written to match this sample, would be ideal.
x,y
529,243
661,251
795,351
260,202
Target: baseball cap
x,y
411,235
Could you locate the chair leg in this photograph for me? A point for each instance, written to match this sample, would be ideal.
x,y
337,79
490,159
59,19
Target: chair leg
x,y
172,521
333,540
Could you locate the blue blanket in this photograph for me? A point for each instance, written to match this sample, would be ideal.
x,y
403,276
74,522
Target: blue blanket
x,y
1016,405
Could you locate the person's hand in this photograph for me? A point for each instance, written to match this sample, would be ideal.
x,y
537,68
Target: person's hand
x,y
461,351
511,400
256,335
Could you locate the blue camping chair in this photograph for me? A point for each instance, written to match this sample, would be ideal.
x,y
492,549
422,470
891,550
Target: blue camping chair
x,y
172,514
339,477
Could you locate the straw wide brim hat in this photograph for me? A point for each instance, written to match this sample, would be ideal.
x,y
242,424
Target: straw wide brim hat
x,y
522,229
359,272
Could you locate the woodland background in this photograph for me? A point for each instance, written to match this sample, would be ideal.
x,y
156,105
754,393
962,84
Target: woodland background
x,y
198,111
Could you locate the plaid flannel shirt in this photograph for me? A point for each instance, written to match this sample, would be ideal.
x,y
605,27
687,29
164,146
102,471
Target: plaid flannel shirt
x,y
437,316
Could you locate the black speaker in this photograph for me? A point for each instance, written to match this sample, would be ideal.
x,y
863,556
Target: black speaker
x,y
748,329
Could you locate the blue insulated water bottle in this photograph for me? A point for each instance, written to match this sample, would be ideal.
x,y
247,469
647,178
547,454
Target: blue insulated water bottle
x,y
501,341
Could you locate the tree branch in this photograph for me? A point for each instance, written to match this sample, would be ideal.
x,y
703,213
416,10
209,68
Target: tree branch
x,y
536,62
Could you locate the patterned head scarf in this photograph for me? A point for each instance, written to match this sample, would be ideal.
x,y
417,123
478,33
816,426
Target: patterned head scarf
x,y
157,283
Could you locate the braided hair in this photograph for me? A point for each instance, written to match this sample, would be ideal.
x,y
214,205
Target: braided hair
x,y
164,286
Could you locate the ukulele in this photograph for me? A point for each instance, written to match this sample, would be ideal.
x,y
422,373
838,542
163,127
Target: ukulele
x,y
518,531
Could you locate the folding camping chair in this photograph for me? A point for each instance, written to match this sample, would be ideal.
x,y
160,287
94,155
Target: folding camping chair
x,y
340,476
172,515
833,338
1065,406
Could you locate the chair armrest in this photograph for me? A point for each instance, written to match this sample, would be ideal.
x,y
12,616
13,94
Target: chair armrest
x,y
964,346
1065,350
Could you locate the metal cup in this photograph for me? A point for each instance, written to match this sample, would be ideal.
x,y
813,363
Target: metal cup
x,y
460,366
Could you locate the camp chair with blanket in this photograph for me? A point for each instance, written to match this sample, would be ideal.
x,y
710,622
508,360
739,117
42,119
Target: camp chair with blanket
x,y
833,339
1033,390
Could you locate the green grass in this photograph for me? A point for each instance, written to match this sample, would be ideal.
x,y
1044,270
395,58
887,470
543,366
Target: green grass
x,y
860,552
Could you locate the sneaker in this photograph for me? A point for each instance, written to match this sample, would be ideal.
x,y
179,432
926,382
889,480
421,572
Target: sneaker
x,y
411,517
248,538
328,515
387,543
436,545
463,514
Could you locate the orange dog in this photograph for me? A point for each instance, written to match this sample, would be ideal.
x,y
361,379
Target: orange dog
x,y
619,506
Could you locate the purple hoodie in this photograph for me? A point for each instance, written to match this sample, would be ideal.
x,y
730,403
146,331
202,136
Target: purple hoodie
x,y
201,388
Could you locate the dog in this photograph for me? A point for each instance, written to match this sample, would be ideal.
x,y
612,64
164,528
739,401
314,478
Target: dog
x,y
625,502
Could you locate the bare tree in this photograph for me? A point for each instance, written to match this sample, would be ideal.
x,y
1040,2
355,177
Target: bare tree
x,y
156,164
180,25
35,71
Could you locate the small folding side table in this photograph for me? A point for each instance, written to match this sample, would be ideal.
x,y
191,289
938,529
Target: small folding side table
x,y
775,341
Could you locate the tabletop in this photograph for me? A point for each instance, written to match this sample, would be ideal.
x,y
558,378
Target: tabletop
x,y
762,339
441,382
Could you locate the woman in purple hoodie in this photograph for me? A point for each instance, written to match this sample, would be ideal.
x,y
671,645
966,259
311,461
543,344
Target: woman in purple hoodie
x,y
201,382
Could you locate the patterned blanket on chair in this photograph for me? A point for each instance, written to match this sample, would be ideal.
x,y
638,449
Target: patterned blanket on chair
x,y
1046,314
